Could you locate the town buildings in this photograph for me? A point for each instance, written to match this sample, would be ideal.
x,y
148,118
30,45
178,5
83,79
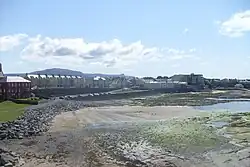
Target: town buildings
x,y
66,81
191,79
174,82
55,81
166,84
13,86
21,86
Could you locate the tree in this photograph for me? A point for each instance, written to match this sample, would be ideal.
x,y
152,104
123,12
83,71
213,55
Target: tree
x,y
148,78
159,77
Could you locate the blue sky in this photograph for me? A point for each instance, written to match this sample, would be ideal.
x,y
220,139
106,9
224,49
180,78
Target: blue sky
x,y
141,38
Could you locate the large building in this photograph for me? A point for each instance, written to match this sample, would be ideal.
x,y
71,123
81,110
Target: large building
x,y
159,84
13,86
55,81
192,79
66,81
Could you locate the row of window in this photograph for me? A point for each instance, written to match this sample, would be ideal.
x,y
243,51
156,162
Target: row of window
x,y
16,84
11,90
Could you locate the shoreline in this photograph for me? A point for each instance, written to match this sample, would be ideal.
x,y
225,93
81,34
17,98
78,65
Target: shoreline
x,y
115,114
104,129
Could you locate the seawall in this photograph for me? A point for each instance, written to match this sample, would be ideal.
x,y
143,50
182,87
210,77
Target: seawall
x,y
124,95
52,92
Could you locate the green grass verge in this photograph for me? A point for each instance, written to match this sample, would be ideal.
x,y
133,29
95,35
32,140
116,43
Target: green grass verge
x,y
9,111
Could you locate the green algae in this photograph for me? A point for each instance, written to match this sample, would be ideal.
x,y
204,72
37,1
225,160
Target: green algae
x,y
238,127
189,135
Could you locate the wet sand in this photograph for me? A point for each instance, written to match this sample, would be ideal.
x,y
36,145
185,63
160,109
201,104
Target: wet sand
x,y
86,116
70,142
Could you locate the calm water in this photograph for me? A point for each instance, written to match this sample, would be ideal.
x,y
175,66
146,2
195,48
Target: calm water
x,y
231,106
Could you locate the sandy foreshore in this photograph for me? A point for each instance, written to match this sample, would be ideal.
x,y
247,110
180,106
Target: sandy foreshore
x,y
93,115
74,139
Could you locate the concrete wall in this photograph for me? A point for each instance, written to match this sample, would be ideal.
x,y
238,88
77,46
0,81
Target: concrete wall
x,y
130,94
53,92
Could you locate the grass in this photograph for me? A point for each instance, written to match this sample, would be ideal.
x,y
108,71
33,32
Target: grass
x,y
31,98
9,111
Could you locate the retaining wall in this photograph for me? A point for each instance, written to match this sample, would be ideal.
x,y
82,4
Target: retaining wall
x,y
52,92
129,94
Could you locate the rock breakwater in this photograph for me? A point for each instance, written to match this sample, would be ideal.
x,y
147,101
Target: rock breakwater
x,y
9,158
36,119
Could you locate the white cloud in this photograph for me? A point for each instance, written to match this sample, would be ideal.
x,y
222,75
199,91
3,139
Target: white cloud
x,y
175,54
175,65
72,52
237,25
10,41
75,51
185,31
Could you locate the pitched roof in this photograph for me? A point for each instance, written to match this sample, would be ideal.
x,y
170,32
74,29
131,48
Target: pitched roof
x,y
13,79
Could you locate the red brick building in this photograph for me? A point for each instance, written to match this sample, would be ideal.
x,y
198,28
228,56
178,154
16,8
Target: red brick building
x,y
13,86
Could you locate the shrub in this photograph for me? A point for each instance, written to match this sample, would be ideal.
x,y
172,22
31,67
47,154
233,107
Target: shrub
x,y
25,101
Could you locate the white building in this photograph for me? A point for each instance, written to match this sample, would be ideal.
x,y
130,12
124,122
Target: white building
x,y
99,82
152,84
64,81
119,82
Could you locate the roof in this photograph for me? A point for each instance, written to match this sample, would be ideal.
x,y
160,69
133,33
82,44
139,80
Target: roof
x,y
32,76
99,78
185,75
14,79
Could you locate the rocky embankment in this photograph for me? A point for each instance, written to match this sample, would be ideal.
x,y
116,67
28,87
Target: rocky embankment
x,y
9,158
36,119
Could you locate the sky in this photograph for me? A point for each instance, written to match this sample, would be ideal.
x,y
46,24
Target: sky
x,y
139,38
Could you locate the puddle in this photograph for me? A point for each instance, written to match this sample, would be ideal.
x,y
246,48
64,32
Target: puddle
x,y
217,124
230,99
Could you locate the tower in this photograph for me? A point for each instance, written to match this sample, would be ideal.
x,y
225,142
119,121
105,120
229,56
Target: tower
x,y
1,71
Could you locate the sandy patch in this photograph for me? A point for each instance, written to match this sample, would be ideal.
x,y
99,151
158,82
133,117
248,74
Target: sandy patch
x,y
87,116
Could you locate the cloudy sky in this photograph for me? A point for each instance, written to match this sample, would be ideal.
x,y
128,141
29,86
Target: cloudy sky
x,y
141,38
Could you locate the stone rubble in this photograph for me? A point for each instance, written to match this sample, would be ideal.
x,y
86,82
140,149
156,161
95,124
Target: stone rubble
x,y
36,119
9,158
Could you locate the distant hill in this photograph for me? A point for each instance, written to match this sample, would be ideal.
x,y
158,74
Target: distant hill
x,y
60,71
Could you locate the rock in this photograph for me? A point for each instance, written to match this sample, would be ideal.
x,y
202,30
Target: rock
x,y
8,158
3,135
36,119
9,164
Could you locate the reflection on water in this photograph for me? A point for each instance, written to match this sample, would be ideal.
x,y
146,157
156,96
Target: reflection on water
x,y
230,99
217,124
231,106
